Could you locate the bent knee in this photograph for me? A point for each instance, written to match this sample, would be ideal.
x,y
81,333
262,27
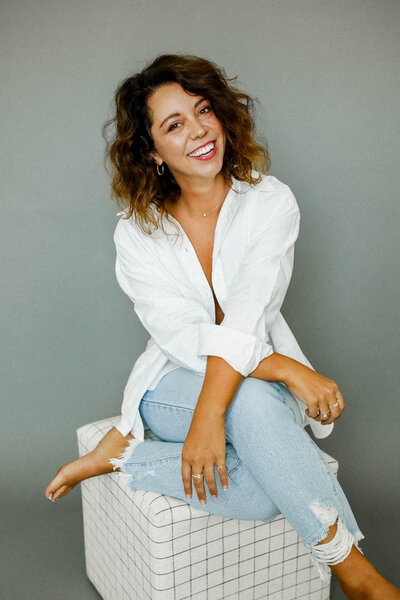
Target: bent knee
x,y
257,401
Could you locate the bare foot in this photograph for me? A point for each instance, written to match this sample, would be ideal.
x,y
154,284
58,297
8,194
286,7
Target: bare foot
x,y
94,463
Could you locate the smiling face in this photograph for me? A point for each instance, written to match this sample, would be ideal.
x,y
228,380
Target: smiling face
x,y
181,124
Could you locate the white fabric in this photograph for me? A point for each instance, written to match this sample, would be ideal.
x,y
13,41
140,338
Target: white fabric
x,y
143,544
334,551
253,257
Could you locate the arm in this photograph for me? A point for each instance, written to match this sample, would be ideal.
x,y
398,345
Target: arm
x,y
205,442
221,381
255,297
254,300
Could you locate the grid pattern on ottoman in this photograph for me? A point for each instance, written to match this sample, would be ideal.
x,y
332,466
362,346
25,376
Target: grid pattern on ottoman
x,y
142,545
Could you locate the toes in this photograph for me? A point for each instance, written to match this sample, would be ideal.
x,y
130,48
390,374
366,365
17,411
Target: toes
x,y
51,488
51,491
55,484
62,491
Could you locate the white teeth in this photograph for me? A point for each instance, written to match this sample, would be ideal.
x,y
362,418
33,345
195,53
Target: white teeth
x,y
203,150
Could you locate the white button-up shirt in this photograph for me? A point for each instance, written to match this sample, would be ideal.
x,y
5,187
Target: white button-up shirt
x,y
252,265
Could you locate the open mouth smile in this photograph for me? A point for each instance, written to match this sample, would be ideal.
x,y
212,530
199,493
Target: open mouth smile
x,y
205,152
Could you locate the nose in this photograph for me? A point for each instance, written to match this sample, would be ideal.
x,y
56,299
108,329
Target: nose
x,y
197,129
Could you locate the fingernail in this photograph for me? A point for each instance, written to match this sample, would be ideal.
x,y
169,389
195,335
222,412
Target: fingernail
x,y
202,501
224,487
213,496
188,496
50,496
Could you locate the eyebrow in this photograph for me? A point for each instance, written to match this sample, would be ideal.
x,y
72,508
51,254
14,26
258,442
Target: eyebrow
x,y
178,114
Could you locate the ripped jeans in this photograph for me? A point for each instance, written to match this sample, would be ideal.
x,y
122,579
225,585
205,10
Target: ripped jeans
x,y
272,463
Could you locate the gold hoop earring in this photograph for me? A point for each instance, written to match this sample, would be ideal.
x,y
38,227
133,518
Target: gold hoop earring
x,y
162,172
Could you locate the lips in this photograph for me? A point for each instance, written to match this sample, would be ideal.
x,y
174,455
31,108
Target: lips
x,y
202,146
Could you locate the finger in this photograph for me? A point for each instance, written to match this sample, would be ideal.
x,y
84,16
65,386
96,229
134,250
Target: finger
x,y
186,471
199,483
329,419
223,474
312,410
324,411
339,399
210,479
333,414
336,406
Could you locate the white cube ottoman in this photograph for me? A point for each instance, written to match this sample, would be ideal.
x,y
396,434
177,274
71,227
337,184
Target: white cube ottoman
x,y
142,545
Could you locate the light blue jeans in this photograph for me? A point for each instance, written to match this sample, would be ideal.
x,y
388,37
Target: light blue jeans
x,y
273,465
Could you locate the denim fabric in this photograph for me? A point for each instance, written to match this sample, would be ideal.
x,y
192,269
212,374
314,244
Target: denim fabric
x,y
273,465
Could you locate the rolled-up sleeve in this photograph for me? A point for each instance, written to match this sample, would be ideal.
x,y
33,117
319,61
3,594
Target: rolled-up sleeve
x,y
256,295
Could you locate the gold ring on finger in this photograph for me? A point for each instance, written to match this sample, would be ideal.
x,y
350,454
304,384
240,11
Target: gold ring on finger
x,y
220,467
334,405
325,415
198,475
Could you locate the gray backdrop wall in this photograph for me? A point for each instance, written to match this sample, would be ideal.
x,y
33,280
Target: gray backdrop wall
x,y
326,74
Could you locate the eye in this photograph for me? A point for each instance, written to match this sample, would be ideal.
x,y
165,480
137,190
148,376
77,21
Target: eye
x,y
206,108
172,127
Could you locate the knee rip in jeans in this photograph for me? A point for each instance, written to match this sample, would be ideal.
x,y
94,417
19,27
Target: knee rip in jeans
x,y
339,547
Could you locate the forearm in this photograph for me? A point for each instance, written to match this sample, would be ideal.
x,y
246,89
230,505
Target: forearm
x,y
221,381
275,367
220,384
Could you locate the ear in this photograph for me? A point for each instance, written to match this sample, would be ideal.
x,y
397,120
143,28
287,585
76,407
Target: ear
x,y
156,158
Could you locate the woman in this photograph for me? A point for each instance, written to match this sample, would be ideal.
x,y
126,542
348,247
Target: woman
x,y
205,250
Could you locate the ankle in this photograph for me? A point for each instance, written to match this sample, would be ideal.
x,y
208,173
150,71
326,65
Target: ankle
x,y
365,583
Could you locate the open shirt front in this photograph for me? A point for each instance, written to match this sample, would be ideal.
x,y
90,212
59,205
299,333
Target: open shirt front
x,y
253,256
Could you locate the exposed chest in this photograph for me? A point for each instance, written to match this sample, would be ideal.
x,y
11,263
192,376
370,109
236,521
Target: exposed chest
x,y
201,236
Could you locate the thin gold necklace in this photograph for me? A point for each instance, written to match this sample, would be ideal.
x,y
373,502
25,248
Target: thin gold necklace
x,y
204,214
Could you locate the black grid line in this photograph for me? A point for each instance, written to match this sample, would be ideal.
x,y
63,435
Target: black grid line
x,y
143,545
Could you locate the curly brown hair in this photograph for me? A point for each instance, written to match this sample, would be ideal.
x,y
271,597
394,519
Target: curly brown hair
x,y
136,187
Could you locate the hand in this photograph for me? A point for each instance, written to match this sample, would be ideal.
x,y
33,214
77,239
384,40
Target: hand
x,y
318,392
204,447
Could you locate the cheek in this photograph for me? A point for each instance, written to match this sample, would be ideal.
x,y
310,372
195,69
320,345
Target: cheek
x,y
217,125
172,147
177,145
219,129
223,137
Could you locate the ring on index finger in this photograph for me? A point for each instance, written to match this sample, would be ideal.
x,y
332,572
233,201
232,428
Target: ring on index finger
x,y
219,467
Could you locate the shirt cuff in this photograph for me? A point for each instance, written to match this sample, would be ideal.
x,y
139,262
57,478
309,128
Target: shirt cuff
x,y
243,351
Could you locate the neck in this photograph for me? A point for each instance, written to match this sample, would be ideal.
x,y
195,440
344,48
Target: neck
x,y
204,195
